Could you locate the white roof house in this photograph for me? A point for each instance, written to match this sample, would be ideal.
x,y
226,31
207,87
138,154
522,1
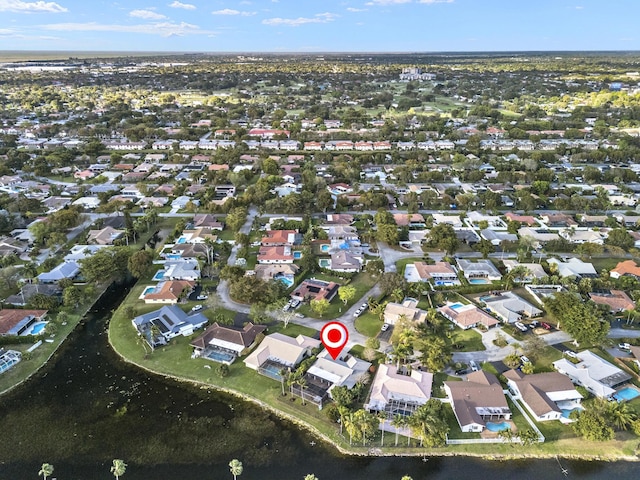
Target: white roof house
x,y
593,373
535,269
282,349
510,307
346,370
391,388
480,269
453,220
574,267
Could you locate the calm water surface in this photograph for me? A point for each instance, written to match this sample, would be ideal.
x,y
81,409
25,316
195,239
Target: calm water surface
x,y
88,407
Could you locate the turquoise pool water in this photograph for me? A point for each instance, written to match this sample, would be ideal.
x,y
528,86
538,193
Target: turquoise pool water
x,y
478,281
456,306
297,255
159,275
498,427
173,256
566,412
222,357
148,290
324,262
325,247
181,240
288,281
38,328
626,394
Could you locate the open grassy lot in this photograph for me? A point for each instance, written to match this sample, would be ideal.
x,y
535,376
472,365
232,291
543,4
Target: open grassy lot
x,y
368,324
466,340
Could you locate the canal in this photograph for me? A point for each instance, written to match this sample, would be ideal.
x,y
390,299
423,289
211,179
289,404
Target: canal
x,y
87,407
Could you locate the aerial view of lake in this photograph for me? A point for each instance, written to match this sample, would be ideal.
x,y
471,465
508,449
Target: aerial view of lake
x,y
87,407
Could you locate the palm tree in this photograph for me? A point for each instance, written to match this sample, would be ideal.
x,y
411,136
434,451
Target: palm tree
x,y
382,416
46,470
284,373
118,468
398,422
235,467
620,415
302,383
310,476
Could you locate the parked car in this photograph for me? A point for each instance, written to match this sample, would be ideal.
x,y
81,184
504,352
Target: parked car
x,y
295,303
364,306
196,308
524,359
546,326
202,297
624,346
570,353
461,371
357,313
299,315
535,324
385,327
520,326
474,366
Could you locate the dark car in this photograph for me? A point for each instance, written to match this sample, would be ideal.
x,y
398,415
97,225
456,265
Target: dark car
x,y
461,371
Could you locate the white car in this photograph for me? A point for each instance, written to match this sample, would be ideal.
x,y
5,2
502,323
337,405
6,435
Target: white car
x,y
385,327
196,308
295,303
624,346
357,313
570,353
520,326
524,359
474,366
202,297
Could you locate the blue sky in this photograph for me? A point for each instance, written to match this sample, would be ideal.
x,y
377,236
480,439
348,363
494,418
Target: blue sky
x,y
319,26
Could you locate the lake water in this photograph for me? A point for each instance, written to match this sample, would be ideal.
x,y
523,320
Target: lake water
x,y
87,408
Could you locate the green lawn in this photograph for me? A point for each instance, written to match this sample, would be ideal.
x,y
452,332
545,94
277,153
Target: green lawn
x,y
368,324
466,340
402,263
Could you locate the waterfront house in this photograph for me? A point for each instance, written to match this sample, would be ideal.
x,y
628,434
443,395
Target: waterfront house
x,y
9,358
477,400
593,373
545,395
224,343
344,371
278,351
19,322
170,291
169,321
399,392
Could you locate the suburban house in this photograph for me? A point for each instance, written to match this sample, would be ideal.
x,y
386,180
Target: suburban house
x,y
453,220
394,392
28,290
509,307
545,395
535,270
593,373
467,316
198,235
314,289
284,272
558,220
345,370
346,261
280,238
582,236
223,343
616,300
439,274
170,291
493,221
523,219
408,310
169,322
20,322
339,219
542,292
496,237
574,267
182,269
269,255
68,270
278,351
104,236
482,270
207,220
628,267
477,400
411,220
539,235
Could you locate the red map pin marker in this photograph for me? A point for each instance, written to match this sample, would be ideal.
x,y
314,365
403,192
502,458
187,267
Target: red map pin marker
x,y
334,336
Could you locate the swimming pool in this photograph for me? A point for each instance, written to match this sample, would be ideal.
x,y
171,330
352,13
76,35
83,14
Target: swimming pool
x,y
37,328
297,255
325,247
626,394
498,427
566,411
344,246
456,306
444,283
478,281
324,262
286,279
173,256
148,290
221,357
159,275
181,240
7,365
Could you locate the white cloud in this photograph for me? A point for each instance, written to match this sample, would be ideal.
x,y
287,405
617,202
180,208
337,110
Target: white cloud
x,y
185,6
146,14
164,29
351,9
296,22
229,11
18,6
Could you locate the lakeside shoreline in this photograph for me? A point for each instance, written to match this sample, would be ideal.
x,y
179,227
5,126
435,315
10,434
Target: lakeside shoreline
x,y
370,451
45,361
